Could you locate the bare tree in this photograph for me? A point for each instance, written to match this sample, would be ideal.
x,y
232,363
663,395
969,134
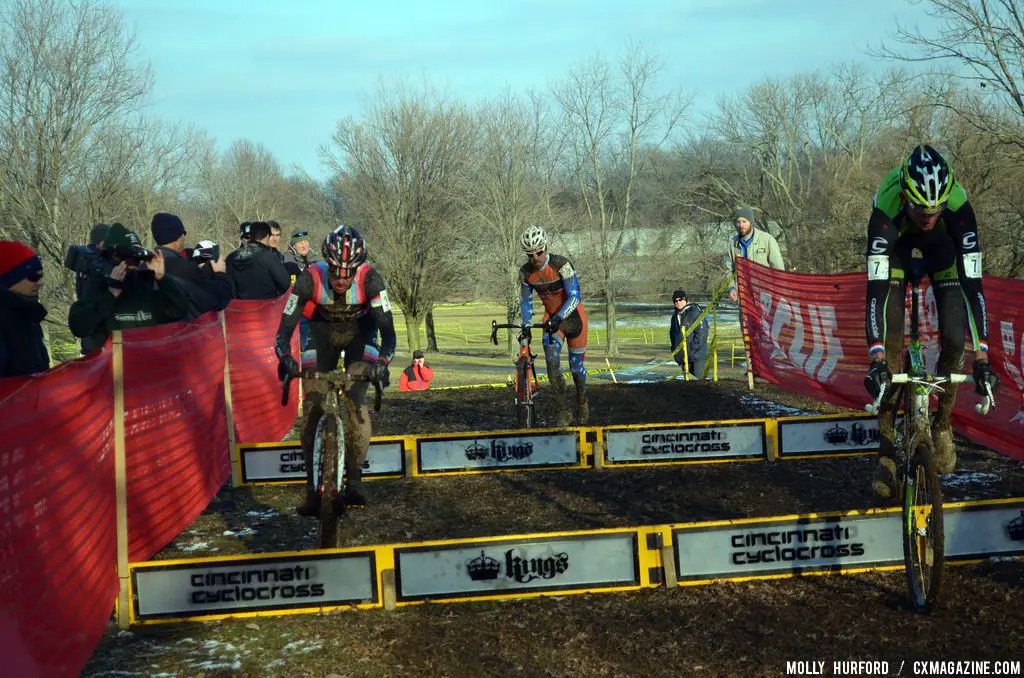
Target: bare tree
x,y
399,169
615,120
985,39
243,184
507,189
69,80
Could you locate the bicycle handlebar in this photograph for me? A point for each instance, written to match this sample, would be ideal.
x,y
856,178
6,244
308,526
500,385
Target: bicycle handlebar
x,y
511,326
338,379
981,408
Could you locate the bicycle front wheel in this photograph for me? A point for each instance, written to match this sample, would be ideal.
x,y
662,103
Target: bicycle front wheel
x,y
923,530
524,396
330,441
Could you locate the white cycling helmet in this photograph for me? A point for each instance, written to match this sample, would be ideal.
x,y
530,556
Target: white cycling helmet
x,y
533,239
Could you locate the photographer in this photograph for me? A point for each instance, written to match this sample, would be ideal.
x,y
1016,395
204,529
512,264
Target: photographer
x,y
206,292
138,292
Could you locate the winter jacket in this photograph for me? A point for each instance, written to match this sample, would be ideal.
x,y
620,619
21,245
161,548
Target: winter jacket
x,y
206,290
22,349
295,264
414,379
697,340
143,302
256,272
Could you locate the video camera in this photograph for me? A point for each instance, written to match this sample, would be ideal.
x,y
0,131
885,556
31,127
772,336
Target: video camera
x,y
133,254
86,261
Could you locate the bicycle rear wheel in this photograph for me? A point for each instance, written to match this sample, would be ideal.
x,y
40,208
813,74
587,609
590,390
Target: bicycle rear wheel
x,y
924,550
328,452
524,396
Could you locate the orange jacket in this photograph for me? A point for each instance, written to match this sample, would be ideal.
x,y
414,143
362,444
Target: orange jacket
x,y
411,381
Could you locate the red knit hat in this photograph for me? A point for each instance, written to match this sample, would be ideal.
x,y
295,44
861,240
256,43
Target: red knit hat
x,y
17,261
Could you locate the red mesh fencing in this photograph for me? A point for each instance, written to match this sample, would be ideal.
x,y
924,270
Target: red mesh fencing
x,y
255,389
176,443
58,542
807,336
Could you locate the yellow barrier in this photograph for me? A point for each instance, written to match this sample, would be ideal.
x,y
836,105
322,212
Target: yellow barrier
x,y
531,565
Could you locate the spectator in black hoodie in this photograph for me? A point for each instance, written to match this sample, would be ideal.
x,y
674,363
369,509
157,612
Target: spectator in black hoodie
x,y
22,349
139,292
207,289
255,270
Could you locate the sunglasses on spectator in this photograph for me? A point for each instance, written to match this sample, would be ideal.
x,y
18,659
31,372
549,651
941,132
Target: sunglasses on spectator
x,y
34,277
301,234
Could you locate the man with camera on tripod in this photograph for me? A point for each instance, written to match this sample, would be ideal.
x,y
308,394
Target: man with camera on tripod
x,y
135,293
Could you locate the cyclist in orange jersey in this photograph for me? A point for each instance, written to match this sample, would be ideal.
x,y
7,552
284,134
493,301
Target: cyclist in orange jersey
x,y
553,278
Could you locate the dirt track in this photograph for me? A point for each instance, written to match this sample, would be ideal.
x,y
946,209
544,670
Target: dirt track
x,y
727,629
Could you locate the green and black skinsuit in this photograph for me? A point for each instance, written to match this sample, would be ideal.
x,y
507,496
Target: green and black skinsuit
x,y
348,323
951,256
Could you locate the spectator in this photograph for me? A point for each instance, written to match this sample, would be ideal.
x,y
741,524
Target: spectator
x,y
137,293
296,260
299,256
254,270
206,292
22,348
244,230
275,236
416,377
96,235
683,318
751,243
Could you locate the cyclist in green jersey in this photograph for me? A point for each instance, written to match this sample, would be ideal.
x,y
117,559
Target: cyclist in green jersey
x,y
922,223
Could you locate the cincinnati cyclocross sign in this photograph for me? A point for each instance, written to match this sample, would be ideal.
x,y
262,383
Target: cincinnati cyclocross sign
x,y
282,462
684,442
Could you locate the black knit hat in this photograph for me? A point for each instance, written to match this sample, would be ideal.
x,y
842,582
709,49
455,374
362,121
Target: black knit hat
x,y
678,294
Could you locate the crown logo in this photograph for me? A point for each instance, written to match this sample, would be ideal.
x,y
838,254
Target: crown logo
x,y
476,451
1015,528
483,568
837,435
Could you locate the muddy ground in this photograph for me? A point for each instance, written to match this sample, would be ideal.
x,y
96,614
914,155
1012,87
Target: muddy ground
x,y
725,629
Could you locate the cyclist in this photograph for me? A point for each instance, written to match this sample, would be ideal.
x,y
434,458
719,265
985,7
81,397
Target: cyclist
x,y
555,281
347,304
923,222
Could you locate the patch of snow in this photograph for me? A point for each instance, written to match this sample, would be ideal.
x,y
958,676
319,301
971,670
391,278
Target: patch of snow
x,y
124,634
186,640
968,479
198,546
244,532
274,664
263,515
772,409
212,665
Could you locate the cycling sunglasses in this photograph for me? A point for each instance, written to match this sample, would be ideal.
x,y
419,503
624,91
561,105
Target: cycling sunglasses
x,y
920,209
536,254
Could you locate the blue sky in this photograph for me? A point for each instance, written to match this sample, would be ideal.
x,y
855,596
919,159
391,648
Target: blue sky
x,y
284,74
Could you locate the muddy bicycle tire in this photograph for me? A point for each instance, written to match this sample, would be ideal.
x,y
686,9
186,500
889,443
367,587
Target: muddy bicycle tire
x,y
922,501
330,441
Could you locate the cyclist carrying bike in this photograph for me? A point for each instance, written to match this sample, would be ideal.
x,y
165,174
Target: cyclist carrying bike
x,y
920,206
555,281
347,304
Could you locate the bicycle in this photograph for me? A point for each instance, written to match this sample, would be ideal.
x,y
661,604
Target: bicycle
x,y
922,518
328,468
526,385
